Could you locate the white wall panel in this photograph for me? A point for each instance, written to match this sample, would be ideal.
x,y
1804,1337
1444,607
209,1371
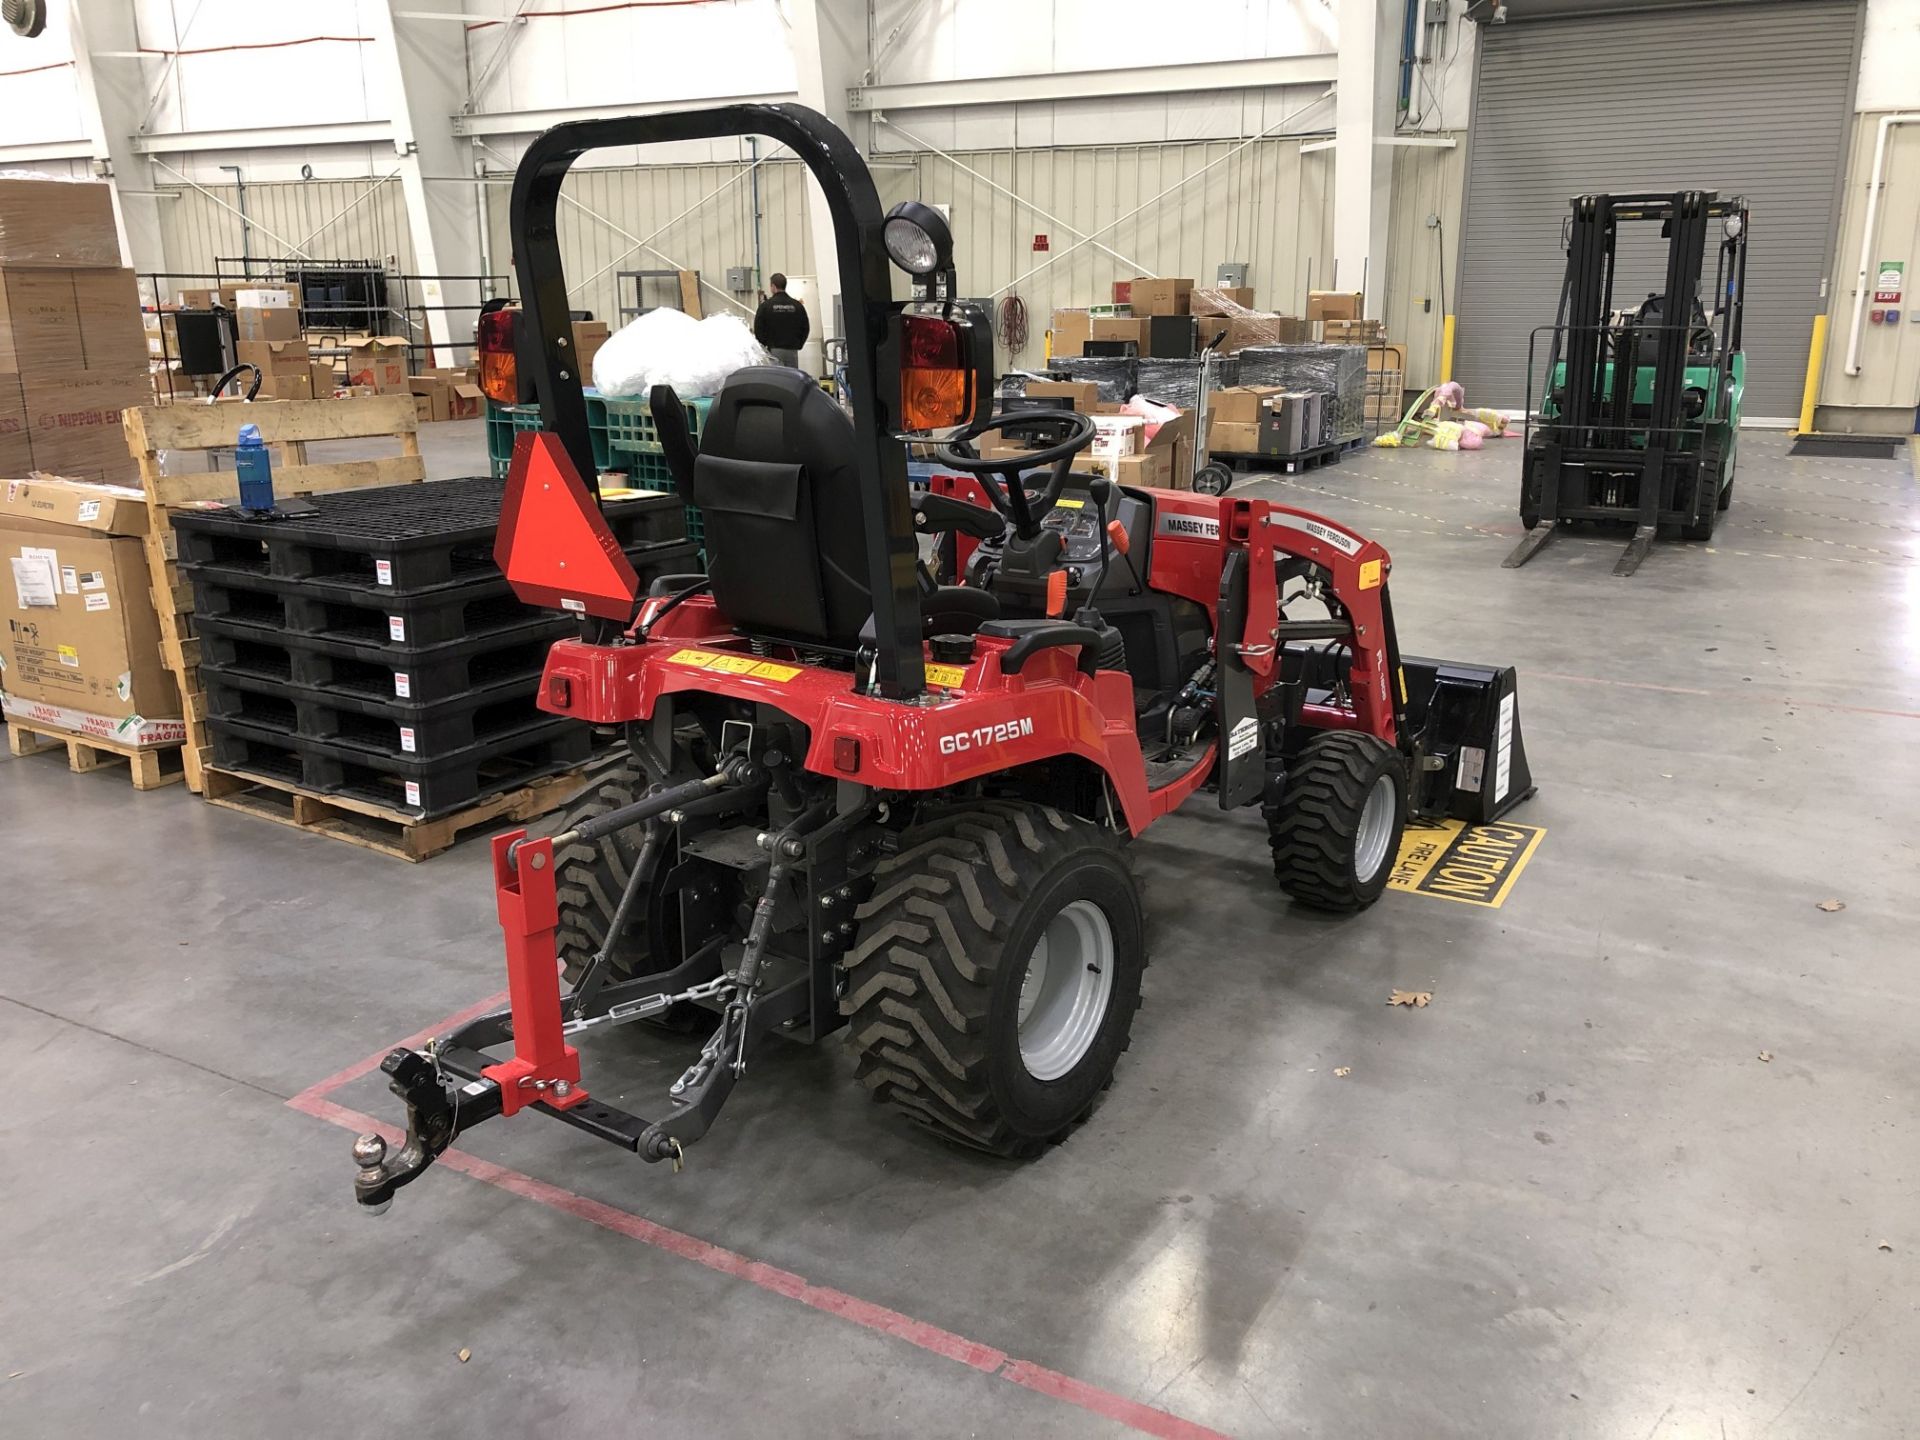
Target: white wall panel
x,y
39,94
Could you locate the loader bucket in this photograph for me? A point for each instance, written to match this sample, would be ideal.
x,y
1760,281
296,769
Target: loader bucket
x,y
1468,720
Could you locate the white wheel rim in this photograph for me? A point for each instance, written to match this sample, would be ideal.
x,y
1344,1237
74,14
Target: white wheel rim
x,y
1065,990
1376,829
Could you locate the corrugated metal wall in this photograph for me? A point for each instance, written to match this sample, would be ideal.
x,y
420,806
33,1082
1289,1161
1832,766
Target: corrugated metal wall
x,y
1269,206
321,217
717,235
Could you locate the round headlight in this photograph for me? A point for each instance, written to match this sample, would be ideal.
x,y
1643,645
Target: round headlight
x,y
1733,225
917,238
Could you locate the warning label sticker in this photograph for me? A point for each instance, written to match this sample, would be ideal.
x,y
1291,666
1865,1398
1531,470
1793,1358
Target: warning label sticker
x,y
723,664
1474,864
947,677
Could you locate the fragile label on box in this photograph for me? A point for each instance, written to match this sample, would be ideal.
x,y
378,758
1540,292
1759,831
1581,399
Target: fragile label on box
x,y
403,684
396,627
383,572
413,792
407,742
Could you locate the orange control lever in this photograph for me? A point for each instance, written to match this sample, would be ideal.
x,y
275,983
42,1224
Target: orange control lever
x,y
1117,533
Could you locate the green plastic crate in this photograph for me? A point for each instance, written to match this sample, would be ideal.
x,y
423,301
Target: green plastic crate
x,y
629,423
506,421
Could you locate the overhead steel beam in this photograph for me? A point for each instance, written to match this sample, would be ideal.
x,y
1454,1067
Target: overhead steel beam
x,y
265,137
532,122
1094,84
46,150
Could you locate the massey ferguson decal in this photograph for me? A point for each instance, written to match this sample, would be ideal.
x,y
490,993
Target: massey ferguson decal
x,y
961,741
1190,527
1339,539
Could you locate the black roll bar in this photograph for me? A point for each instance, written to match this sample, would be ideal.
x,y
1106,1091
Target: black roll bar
x,y
873,354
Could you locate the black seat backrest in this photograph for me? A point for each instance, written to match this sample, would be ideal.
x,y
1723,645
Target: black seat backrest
x,y
777,487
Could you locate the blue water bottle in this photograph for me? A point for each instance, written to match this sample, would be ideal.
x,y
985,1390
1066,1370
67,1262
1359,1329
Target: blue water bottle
x,y
255,468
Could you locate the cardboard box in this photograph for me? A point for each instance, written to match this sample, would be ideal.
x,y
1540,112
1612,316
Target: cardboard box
x,y
1386,396
77,627
1123,293
71,319
1116,327
378,362
1152,467
1081,395
67,422
1071,329
466,402
1387,355
1221,299
1335,304
257,297
1172,443
1117,435
201,298
1256,329
1353,332
276,323
1234,437
57,222
1209,328
286,369
435,391
588,337
1239,404
322,380
1160,297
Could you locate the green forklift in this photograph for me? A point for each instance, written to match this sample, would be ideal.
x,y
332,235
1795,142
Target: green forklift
x,y
1636,418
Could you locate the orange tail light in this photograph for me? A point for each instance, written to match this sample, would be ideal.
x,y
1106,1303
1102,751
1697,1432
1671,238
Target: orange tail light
x,y
937,374
499,369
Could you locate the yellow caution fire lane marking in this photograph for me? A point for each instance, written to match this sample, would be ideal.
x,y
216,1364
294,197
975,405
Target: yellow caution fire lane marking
x,y
1473,864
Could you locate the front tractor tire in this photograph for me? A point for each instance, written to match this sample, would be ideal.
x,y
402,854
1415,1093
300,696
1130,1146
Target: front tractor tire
x,y
996,973
1336,832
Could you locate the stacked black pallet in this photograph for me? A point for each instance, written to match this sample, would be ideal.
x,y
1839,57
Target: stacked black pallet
x,y
372,649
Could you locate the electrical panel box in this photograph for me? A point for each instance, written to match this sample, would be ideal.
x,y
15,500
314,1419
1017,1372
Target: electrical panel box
x,y
1232,273
739,277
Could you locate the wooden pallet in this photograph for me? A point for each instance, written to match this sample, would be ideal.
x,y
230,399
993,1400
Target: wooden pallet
x,y
375,827
153,430
150,768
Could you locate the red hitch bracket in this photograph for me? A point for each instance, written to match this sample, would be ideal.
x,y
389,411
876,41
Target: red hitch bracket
x,y
544,1068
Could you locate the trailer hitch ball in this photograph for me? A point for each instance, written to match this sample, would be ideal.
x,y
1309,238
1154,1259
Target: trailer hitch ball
x,y
370,1154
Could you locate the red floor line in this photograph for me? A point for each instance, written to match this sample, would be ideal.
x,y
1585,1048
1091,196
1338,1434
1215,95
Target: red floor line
x,y
976,1356
1727,695
372,1062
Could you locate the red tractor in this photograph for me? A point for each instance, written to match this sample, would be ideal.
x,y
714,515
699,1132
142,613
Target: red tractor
x,y
866,791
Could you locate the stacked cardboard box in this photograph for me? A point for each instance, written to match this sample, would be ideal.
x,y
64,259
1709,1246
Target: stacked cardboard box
x,y
1233,418
446,394
80,642
73,351
378,364
1386,382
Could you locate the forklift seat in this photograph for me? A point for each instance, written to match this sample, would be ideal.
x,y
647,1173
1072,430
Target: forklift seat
x,y
775,481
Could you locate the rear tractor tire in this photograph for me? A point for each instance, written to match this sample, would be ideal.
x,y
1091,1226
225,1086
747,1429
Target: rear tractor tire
x,y
996,973
1336,833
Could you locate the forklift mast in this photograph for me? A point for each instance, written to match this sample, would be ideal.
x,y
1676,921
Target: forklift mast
x,y
1633,417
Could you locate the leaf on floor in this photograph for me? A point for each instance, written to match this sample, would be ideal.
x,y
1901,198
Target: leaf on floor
x,y
1412,999
1342,1072
1766,1057
1831,905
1885,1246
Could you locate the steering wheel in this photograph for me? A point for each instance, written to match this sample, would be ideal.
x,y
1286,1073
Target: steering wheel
x,y
1000,477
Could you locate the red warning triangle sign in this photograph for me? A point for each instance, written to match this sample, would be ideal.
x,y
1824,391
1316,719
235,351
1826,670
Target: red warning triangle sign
x,y
553,542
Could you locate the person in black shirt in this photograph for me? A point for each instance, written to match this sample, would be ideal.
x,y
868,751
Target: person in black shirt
x,y
780,324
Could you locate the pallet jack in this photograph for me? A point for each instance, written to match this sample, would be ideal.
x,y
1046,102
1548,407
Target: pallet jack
x,y
1638,415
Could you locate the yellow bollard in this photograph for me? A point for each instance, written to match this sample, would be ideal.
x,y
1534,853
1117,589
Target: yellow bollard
x,y
1816,352
1446,350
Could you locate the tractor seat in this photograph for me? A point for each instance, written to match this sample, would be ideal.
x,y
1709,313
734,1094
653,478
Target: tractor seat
x,y
776,483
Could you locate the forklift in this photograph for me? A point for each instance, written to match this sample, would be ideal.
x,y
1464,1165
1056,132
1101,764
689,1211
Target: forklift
x,y
1638,415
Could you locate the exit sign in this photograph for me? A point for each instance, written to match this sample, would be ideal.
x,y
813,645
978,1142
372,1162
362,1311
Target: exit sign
x,y
1040,242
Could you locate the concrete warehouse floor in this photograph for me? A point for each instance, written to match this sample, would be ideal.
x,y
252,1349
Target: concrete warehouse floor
x,y
1572,1197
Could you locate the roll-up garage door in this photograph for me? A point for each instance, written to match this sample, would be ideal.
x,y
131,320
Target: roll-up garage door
x,y
1748,99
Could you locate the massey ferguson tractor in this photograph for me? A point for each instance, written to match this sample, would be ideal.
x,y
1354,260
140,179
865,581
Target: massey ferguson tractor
x,y
883,759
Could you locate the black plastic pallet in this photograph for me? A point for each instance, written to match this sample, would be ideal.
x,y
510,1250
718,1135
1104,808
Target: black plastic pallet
x,y
426,673
423,789
1293,464
380,726
395,539
363,614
